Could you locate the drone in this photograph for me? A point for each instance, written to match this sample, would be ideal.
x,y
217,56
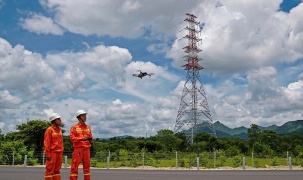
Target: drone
x,y
142,74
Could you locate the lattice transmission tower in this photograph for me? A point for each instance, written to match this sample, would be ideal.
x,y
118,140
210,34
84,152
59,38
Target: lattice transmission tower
x,y
193,110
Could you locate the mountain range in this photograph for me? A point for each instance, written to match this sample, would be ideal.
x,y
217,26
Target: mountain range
x,y
290,127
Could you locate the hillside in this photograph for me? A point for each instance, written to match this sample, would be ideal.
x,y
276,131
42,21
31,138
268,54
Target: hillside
x,y
290,127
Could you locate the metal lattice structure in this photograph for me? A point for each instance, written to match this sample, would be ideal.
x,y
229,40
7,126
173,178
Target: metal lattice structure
x,y
194,110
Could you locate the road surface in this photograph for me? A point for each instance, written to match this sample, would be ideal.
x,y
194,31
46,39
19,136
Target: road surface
x,y
36,173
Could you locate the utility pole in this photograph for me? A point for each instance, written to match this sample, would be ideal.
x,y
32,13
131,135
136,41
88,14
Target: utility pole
x,y
193,110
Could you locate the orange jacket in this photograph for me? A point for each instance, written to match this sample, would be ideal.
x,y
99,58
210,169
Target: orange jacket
x,y
77,133
53,140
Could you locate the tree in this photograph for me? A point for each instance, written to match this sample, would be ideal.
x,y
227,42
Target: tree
x,y
202,136
243,147
13,136
68,145
253,133
168,139
297,150
183,143
33,133
150,146
13,148
1,135
270,138
211,141
262,149
199,147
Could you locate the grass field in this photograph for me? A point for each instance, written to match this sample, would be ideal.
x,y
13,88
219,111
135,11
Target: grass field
x,y
204,163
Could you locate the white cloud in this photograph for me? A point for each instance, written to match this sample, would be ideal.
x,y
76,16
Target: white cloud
x,y
41,25
117,102
263,101
109,59
2,125
265,76
101,65
294,92
7,99
129,6
237,36
179,89
70,82
242,44
295,30
107,17
48,112
5,48
158,48
148,88
23,71
67,73
242,36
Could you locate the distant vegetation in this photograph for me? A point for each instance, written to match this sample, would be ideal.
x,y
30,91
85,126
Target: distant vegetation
x,y
291,127
262,142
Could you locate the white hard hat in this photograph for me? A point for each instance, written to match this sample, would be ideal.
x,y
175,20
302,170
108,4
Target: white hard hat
x,y
79,112
54,116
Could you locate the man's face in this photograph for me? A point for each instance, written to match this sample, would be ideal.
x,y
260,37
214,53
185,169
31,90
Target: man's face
x,y
83,117
58,121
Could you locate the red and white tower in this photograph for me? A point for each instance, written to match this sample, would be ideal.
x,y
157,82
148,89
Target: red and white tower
x,y
194,110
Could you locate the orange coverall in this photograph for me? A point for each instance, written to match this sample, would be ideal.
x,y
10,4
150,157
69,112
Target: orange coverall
x,y
81,150
53,148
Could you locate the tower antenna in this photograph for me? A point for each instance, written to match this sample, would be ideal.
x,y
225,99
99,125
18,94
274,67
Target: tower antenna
x,y
193,110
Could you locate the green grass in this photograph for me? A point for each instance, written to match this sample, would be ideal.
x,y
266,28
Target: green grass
x,y
262,162
187,162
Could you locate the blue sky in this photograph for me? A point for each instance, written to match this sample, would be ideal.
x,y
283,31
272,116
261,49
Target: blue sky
x,y
61,56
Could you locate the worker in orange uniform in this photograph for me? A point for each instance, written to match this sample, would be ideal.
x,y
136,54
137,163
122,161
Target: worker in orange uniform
x,y
53,148
81,137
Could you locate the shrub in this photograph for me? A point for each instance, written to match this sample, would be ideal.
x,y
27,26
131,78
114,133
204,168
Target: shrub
x,y
182,163
275,161
256,163
93,163
222,159
236,161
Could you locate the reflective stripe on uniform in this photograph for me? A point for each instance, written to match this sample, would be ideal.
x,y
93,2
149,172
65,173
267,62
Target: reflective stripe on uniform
x,y
50,176
73,174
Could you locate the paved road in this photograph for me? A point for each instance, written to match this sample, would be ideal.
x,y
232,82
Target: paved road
x,y
36,173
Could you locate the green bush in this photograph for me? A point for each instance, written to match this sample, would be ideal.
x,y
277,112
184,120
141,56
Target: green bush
x,y
222,159
31,160
209,164
93,163
256,163
275,161
237,161
182,163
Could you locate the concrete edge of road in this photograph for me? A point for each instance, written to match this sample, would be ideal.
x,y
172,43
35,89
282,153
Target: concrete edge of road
x,y
179,168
